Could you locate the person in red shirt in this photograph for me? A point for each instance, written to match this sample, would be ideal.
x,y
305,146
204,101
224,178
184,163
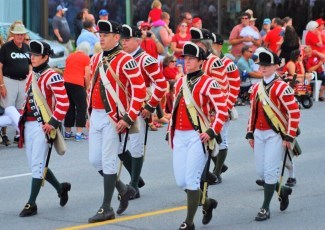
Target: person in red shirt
x,y
76,81
172,71
156,11
178,42
273,37
150,43
313,37
314,61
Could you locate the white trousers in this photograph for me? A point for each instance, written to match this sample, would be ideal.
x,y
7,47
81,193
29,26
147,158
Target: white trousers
x,y
136,140
269,153
10,117
36,148
103,142
224,135
188,159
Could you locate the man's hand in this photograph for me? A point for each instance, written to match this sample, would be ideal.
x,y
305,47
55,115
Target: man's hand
x,y
286,144
47,128
121,126
145,114
204,137
3,91
87,124
251,143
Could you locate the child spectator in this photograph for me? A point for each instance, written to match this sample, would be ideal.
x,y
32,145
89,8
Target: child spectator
x,y
156,11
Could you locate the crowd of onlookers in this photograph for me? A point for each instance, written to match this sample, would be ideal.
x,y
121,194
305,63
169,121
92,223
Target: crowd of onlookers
x,y
300,57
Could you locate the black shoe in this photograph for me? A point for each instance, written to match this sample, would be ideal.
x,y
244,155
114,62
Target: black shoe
x,y
224,168
29,210
184,225
136,195
102,215
291,182
16,139
284,198
260,182
207,214
212,178
263,214
5,140
65,187
141,182
124,201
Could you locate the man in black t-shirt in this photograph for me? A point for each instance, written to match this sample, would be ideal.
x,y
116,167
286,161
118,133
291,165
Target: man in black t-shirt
x,y
14,68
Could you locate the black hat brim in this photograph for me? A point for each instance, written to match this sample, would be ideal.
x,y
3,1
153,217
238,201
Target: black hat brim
x,y
265,63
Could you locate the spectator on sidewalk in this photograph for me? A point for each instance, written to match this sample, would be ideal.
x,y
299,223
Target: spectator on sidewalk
x,y
236,40
103,14
150,43
88,36
273,37
61,28
76,78
178,42
155,12
14,68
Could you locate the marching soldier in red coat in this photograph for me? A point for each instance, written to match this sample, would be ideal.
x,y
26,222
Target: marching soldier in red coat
x,y
36,130
196,95
215,68
156,88
272,128
115,98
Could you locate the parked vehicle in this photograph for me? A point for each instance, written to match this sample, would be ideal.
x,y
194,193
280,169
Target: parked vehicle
x,y
60,52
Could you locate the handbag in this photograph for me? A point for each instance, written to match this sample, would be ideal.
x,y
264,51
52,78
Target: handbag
x,y
2,110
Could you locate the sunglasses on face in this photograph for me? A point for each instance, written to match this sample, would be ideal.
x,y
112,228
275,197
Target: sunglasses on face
x,y
244,18
173,61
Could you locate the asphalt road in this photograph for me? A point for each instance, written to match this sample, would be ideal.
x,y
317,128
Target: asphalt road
x,y
162,203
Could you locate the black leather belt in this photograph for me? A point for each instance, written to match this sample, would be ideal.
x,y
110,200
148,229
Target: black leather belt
x,y
18,78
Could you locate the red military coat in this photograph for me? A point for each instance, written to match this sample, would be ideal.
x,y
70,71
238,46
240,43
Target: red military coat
x,y
282,95
208,96
128,72
152,76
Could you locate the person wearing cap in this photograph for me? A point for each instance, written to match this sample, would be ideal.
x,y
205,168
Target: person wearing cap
x,y
186,130
150,43
273,37
320,28
14,68
266,27
252,20
36,132
156,87
197,23
268,141
113,109
61,28
215,68
103,14
237,41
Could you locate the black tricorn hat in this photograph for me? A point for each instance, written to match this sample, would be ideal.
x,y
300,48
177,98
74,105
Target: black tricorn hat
x,y
200,34
130,32
267,58
217,39
108,26
193,50
40,48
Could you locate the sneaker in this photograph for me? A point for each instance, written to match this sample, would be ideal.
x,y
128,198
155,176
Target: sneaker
x,y
68,135
5,140
81,137
16,139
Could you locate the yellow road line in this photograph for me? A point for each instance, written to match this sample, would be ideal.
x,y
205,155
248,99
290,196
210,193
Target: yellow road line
x,y
126,218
